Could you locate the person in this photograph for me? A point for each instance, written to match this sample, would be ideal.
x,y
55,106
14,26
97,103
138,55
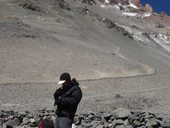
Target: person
x,y
67,98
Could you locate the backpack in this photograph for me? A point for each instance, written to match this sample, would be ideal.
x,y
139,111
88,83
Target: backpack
x,y
46,123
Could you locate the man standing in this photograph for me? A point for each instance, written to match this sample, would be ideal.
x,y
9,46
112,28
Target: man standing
x,y
67,98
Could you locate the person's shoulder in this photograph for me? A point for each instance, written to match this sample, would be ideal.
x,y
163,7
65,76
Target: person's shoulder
x,y
78,89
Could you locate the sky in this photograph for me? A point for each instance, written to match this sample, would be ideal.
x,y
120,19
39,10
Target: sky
x,y
158,5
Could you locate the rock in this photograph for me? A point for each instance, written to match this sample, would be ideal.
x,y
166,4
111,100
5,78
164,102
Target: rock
x,y
116,51
162,117
107,116
126,122
41,115
25,121
4,126
146,115
1,114
86,125
32,120
20,127
1,124
30,115
117,96
159,121
122,113
117,122
123,2
96,124
109,24
77,120
12,123
46,114
131,118
129,126
10,117
138,113
136,123
23,114
121,118
106,125
142,119
2,120
89,2
142,127
152,123
99,126
148,8
166,125
136,2
120,126
62,4
31,6
112,118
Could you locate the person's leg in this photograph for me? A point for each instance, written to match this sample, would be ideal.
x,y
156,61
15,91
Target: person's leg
x,y
56,123
65,122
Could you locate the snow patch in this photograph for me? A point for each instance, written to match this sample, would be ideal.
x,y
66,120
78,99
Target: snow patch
x,y
102,6
162,40
107,1
129,14
137,14
147,14
132,5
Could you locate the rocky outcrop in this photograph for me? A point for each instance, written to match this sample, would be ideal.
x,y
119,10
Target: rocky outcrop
x,y
110,24
136,2
123,2
148,8
119,118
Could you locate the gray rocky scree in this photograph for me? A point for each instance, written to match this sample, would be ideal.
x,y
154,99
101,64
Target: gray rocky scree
x,y
118,118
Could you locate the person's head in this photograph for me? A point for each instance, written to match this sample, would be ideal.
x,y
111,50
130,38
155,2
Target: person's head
x,y
65,79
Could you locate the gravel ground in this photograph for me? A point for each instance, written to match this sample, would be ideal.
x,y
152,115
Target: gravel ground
x,y
149,93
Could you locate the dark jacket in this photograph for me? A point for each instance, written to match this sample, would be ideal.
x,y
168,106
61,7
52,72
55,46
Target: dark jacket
x,y
67,99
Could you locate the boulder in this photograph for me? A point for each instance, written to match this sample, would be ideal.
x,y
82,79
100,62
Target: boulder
x,y
11,123
107,116
117,122
86,125
121,113
148,8
23,114
136,2
99,126
166,125
25,121
132,118
136,123
152,124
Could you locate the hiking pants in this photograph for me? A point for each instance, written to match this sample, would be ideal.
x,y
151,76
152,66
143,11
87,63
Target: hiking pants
x,y
62,122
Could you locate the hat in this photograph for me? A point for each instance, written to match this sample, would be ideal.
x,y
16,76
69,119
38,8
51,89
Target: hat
x,y
64,77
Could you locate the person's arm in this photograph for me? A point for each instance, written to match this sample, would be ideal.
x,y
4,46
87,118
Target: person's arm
x,y
71,100
57,93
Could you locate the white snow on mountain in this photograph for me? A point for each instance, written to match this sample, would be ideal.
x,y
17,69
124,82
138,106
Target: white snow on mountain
x,y
107,1
129,14
132,5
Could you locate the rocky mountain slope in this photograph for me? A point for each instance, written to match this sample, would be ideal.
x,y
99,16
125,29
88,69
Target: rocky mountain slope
x,y
117,50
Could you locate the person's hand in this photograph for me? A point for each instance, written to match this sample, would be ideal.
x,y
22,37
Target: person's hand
x,y
57,101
